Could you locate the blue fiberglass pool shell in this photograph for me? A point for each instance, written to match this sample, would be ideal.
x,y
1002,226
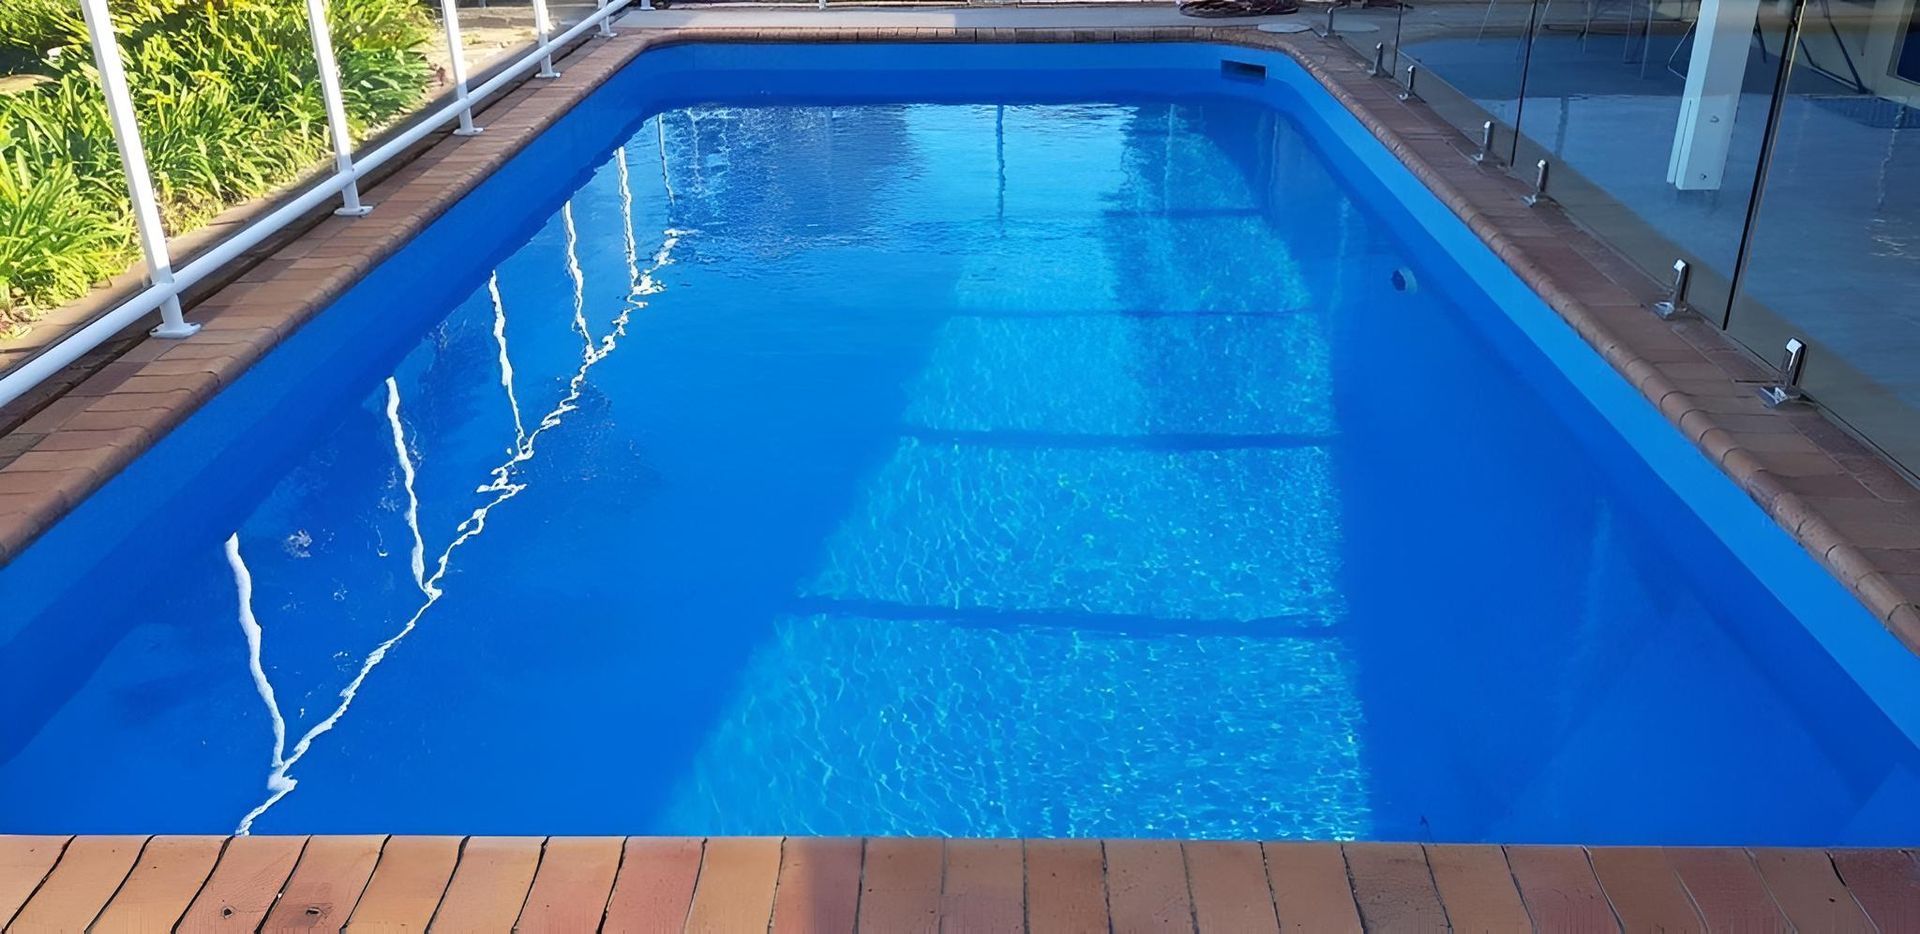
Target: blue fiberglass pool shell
x,y
1077,440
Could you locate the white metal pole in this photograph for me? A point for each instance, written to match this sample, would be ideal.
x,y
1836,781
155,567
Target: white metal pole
x,y
457,68
606,23
133,163
542,32
336,108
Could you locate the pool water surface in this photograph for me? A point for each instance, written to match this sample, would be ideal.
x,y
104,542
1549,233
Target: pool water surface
x,y
1101,462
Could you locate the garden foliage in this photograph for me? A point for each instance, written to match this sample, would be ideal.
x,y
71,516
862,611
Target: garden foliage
x,y
229,105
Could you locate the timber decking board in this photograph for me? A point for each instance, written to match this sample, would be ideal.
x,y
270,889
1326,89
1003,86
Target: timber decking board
x,y
244,884
1310,888
1147,887
984,887
1066,886
737,879
412,874
326,884
24,864
1477,887
489,885
900,891
164,881
655,886
74,893
666,884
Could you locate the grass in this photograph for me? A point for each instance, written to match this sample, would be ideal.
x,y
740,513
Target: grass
x,y
227,96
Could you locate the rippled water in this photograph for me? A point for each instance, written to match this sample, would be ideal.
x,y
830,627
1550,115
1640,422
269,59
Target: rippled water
x,y
972,469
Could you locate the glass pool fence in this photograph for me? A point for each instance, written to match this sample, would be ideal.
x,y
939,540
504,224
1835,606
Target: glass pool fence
x,y
1762,143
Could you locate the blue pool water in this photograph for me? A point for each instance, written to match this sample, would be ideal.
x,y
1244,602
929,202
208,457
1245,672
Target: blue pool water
x,y
982,441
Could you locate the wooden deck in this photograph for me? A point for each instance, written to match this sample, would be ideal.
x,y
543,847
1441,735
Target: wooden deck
x,y
378,883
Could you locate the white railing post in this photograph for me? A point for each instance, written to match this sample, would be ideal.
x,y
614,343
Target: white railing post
x,y
606,22
133,163
457,68
542,34
336,109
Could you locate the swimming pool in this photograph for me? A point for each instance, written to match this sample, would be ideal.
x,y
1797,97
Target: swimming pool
x,y
975,440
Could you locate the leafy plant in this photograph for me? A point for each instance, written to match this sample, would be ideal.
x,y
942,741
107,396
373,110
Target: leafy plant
x,y
227,95
53,242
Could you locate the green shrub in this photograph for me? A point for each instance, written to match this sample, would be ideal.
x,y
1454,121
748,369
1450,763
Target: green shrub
x,y
228,99
53,241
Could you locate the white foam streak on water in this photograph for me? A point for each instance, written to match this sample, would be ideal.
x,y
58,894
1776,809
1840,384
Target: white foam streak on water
x,y
279,781
506,362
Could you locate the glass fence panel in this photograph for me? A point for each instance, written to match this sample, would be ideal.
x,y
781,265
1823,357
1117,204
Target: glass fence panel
x,y
1471,59
1651,115
1834,256
1371,27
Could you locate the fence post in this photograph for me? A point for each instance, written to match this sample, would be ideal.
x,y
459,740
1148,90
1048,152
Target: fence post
x,y
133,163
457,67
543,34
606,22
336,109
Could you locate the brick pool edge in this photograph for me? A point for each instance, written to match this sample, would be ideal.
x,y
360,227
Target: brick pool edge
x,y
1857,515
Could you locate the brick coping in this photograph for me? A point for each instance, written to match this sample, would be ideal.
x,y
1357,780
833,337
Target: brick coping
x,y
1855,513
794,884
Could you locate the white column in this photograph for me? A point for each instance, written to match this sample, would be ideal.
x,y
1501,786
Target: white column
x,y
133,163
1715,71
457,67
336,108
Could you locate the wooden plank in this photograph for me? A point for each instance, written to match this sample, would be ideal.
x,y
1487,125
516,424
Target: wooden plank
x,y
571,888
901,876
1727,888
1808,890
169,873
1147,886
489,885
655,885
1644,889
1886,883
407,884
24,864
326,883
819,887
1310,888
88,874
1559,888
1066,886
1476,888
1228,883
985,887
1392,887
244,884
737,878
